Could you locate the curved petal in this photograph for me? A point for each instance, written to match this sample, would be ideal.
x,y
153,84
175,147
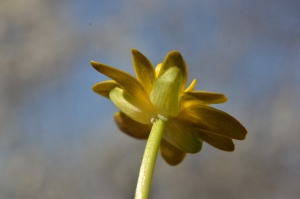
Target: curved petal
x,y
144,70
165,93
191,86
133,107
127,81
212,120
171,154
182,136
204,97
172,59
219,142
131,127
103,88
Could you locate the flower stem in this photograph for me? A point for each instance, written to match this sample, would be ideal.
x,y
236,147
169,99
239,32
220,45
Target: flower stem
x,y
149,159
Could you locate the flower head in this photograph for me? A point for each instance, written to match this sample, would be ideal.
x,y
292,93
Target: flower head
x,y
160,93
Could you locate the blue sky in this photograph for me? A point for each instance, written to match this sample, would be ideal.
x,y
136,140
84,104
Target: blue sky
x,y
65,109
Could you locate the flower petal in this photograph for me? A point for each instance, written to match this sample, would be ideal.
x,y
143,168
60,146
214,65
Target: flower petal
x,y
144,70
191,86
172,59
204,97
157,70
127,81
171,154
212,120
182,136
165,92
219,142
103,88
133,107
131,127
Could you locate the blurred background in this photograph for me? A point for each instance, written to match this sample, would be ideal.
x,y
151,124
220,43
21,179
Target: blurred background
x,y
58,138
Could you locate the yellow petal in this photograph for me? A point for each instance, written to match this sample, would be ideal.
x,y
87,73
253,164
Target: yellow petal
x,y
171,154
204,97
144,70
133,107
191,86
212,120
157,70
131,127
103,88
172,59
165,93
182,136
127,81
219,142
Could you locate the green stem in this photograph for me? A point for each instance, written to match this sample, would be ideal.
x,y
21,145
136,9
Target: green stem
x,y
149,159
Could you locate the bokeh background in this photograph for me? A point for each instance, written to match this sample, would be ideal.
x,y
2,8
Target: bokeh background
x,y
58,138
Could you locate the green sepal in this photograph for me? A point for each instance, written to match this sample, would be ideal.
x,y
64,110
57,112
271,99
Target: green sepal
x,y
165,95
133,107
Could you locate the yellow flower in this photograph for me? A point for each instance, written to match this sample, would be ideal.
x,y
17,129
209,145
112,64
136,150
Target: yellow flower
x,y
159,93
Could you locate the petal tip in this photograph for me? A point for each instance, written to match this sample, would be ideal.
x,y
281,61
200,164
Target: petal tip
x,y
134,50
174,54
95,64
244,134
137,54
94,88
225,99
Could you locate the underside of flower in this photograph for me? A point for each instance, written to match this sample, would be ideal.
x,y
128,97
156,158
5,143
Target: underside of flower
x,y
162,93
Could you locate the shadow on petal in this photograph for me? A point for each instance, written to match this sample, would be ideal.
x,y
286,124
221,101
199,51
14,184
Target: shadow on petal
x,y
204,97
171,154
182,136
144,70
222,143
131,127
212,120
